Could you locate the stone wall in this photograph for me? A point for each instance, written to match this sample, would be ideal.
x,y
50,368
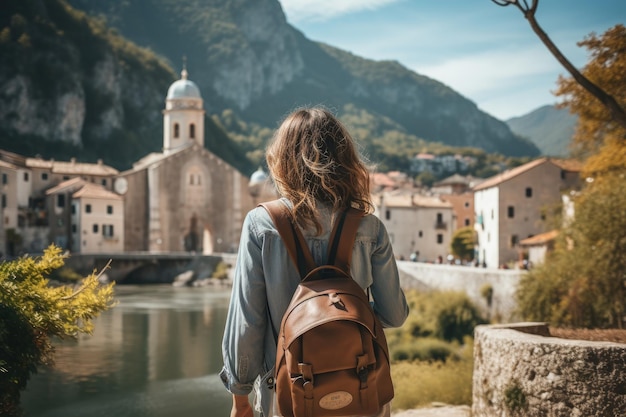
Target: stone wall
x,y
471,280
519,370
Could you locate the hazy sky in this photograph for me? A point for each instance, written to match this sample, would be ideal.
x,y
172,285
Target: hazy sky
x,y
486,52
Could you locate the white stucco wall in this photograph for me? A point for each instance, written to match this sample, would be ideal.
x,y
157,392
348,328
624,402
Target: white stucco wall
x,y
415,229
486,206
94,241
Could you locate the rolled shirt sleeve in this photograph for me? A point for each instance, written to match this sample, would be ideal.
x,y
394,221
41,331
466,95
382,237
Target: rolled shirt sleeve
x,y
246,323
389,301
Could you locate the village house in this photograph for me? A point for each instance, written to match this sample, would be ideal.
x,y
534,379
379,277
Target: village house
x,y
457,190
538,247
416,224
514,205
86,217
31,219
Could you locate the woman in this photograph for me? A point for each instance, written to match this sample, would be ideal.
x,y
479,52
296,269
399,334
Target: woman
x,y
317,171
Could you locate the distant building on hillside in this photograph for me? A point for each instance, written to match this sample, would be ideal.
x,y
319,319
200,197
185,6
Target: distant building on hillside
x,y
512,206
440,164
392,180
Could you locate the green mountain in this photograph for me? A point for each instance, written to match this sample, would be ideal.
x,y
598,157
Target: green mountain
x,y
548,127
71,86
93,83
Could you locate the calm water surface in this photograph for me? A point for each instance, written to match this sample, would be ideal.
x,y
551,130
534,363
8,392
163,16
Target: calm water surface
x,y
156,354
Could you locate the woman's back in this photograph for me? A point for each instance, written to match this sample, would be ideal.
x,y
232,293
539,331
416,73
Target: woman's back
x,y
315,166
371,266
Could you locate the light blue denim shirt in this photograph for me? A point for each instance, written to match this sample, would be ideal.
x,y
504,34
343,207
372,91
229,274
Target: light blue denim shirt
x,y
265,280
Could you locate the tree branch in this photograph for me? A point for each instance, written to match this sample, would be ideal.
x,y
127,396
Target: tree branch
x,y
82,288
618,114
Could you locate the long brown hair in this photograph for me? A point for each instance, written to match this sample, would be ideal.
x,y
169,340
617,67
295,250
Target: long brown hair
x,y
313,159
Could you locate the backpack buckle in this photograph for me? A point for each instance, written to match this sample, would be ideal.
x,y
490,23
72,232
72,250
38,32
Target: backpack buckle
x,y
306,370
363,372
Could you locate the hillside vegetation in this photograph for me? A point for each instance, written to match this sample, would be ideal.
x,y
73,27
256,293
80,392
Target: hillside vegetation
x,y
89,79
548,127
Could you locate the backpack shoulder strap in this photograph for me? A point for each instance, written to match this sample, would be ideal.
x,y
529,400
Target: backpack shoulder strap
x,y
291,235
342,238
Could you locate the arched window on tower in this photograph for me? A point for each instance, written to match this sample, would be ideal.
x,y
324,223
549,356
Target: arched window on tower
x,y
192,131
176,130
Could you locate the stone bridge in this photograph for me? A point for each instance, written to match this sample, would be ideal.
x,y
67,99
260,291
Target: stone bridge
x,y
148,267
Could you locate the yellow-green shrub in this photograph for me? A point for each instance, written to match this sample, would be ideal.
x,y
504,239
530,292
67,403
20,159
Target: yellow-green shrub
x,y
32,312
424,349
420,383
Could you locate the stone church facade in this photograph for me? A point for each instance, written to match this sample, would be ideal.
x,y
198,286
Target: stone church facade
x,y
185,198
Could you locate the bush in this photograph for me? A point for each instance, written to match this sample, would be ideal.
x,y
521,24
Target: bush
x,y
418,384
31,312
423,349
447,315
462,245
582,283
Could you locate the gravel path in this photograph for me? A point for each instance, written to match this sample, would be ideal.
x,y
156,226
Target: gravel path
x,y
442,410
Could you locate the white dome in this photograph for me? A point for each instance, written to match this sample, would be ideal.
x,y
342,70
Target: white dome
x,y
183,88
259,176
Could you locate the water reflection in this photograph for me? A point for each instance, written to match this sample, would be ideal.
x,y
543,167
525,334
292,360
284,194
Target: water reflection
x,y
157,353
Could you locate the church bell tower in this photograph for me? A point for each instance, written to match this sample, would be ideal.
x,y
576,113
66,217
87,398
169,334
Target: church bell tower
x,y
183,117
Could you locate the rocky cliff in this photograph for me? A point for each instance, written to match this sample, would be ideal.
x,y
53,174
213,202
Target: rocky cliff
x,y
246,57
73,85
68,80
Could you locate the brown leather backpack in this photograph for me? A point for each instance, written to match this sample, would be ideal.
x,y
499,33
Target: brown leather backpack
x,y
332,356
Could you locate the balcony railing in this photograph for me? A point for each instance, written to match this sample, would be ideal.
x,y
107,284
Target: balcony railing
x,y
441,225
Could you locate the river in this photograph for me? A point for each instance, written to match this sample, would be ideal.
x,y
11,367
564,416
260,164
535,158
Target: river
x,y
155,354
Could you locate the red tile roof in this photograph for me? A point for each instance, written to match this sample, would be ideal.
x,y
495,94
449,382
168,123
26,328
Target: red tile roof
x,y
90,190
540,239
567,165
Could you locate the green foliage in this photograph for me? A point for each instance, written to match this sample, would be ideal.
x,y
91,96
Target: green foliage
x,y
221,271
582,283
514,398
382,141
423,349
486,291
446,315
419,384
58,50
426,179
462,245
248,137
32,311
65,274
597,135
